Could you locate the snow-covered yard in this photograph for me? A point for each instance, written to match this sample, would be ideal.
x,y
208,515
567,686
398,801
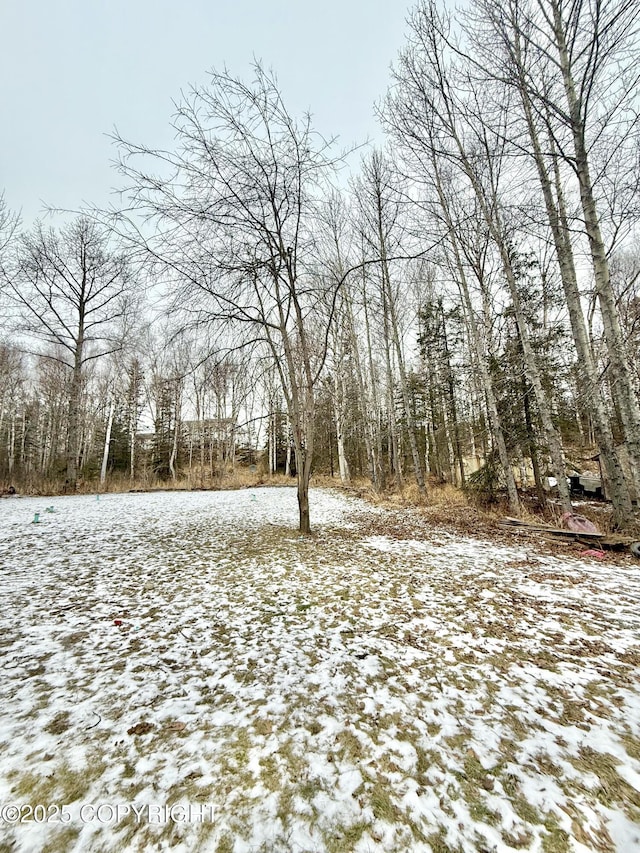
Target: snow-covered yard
x,y
182,671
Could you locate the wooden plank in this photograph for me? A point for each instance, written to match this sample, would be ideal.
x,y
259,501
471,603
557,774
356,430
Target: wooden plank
x,y
546,528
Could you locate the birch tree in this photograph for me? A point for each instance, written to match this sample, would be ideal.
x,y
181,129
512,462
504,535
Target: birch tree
x,y
519,64
428,81
379,204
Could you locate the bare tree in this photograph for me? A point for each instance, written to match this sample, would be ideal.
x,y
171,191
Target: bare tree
x,y
380,204
234,209
72,295
433,94
9,223
520,64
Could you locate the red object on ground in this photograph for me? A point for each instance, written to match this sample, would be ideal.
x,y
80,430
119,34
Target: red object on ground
x,y
599,555
117,621
578,523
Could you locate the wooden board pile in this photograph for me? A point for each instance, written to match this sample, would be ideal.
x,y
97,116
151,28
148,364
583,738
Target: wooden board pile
x,y
609,541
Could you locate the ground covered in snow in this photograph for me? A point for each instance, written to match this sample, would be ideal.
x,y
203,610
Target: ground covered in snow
x,y
183,671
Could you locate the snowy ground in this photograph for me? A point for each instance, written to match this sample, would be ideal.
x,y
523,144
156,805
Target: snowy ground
x,y
377,687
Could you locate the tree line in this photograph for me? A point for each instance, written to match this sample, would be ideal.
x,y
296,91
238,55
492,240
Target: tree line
x,y
461,305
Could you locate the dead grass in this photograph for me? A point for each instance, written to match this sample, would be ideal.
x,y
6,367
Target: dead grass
x,y
59,724
612,788
61,785
556,840
61,840
380,617
441,504
230,479
343,838
448,508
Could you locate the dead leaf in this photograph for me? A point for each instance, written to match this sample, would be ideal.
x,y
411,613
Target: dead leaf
x,y
140,729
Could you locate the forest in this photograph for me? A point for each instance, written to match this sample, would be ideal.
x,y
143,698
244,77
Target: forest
x,y
459,305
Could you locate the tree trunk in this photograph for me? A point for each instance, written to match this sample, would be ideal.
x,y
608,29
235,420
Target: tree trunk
x,y
303,497
391,325
533,375
133,420
533,450
107,442
555,209
287,468
492,216
365,408
478,349
11,444
338,411
622,380
176,432
376,443
450,387
73,425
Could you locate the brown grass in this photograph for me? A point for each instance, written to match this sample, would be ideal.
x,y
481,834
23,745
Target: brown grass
x,y
442,504
230,479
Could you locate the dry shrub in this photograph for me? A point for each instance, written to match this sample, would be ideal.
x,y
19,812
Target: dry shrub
x,y
447,495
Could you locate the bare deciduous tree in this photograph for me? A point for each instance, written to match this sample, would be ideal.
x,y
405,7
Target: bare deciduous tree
x,y
72,295
234,209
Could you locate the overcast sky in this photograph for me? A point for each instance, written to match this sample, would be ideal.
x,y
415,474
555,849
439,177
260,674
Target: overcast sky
x,y
71,70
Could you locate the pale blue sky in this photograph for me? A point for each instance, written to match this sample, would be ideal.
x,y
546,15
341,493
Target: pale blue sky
x,y
71,70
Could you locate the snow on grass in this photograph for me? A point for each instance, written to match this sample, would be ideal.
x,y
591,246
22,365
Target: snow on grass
x,y
359,690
